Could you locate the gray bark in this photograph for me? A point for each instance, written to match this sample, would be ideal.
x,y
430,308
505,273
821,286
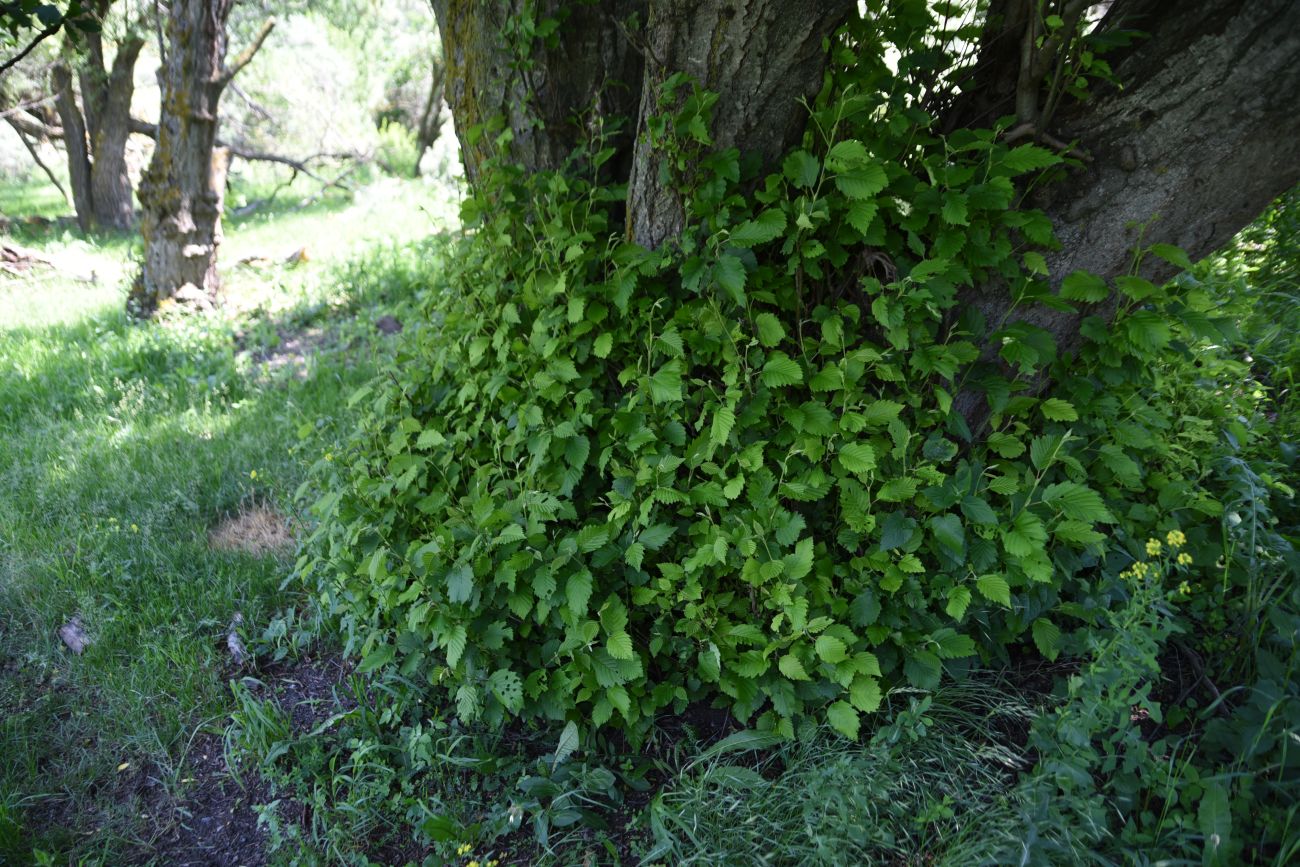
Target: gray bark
x,y
75,142
762,57
550,96
181,192
109,131
1201,138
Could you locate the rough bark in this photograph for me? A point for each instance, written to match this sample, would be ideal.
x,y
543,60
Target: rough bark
x,y
762,57
182,190
549,95
1198,142
75,142
109,131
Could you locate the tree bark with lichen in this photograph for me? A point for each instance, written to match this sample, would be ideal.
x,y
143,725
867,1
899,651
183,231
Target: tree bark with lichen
x,y
182,192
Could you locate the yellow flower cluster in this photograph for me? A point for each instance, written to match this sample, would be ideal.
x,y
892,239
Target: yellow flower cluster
x,y
1175,539
1140,569
464,849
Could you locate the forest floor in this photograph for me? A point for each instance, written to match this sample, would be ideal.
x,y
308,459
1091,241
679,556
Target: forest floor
x,y
146,475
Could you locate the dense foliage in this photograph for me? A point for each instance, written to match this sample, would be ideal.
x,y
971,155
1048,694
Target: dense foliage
x,y
605,482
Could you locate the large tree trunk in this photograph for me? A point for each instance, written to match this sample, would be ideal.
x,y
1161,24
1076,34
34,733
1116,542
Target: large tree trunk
x,y
74,141
1198,142
761,59
182,190
588,74
110,127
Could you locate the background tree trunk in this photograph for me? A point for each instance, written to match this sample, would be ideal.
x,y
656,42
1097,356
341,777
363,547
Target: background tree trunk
x,y
74,141
109,130
430,123
182,190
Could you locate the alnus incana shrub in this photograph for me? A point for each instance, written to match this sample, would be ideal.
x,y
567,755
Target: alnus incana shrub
x,y
599,483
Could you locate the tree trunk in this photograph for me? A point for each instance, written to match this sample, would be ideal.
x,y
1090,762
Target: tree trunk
x,y
111,127
182,190
550,93
1198,142
761,59
430,123
74,141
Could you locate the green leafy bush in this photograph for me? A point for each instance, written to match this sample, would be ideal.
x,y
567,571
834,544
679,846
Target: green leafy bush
x,y
601,482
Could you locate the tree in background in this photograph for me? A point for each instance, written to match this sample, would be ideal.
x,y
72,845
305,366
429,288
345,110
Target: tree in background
x,y
182,191
92,102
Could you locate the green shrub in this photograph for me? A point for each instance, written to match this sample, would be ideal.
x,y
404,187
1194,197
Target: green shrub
x,y
601,482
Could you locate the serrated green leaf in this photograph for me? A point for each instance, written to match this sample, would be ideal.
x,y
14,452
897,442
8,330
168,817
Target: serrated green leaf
x,y
377,658
847,154
995,589
508,689
922,669
781,370
954,210
767,226
861,215
770,330
567,745
1175,256
1082,286
792,668
577,592
1027,158
1055,409
619,645
802,169
958,601
858,457
844,719
666,384
1047,638
865,694
1077,502
729,273
724,419
862,183
830,649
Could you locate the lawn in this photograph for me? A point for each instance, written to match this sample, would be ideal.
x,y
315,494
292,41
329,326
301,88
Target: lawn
x,y
123,448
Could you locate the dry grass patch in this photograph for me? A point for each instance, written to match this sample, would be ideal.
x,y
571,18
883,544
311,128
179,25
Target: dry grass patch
x,y
256,529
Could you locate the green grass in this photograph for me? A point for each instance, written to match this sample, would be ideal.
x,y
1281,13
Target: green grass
x,y
121,445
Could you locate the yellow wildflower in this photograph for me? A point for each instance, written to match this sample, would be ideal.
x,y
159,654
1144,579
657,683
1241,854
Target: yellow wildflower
x,y
1184,559
1176,538
472,864
1154,547
135,528
464,848
252,474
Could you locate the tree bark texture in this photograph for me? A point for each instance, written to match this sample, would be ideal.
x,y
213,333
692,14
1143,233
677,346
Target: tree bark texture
x,y
110,182
95,132
75,142
550,96
181,192
1203,135
762,58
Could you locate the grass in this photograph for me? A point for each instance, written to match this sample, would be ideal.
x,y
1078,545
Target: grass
x,y
123,444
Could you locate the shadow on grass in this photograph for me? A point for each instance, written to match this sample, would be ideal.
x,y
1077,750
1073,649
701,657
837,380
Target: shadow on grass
x,y
123,444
